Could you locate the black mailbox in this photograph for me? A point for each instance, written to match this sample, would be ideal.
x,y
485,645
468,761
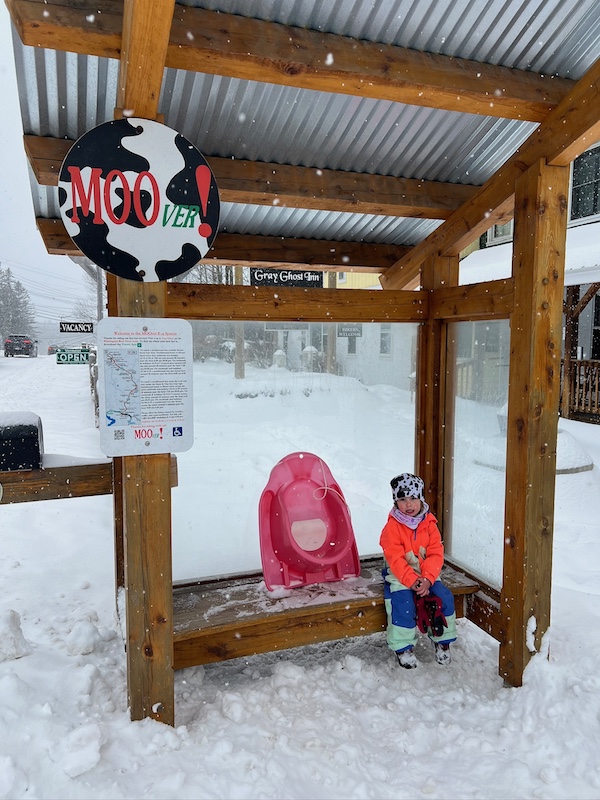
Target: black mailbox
x,y
21,441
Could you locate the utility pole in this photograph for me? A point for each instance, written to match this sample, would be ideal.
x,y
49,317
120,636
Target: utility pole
x,y
331,330
239,331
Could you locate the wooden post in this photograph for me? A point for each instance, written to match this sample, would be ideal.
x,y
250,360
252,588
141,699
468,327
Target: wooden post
x,y
570,349
146,498
431,367
541,203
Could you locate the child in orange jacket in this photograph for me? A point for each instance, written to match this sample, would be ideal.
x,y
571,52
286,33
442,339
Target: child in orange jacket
x,y
414,556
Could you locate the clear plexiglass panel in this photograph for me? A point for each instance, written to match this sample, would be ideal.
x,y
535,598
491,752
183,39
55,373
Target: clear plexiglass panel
x,y
475,460
344,392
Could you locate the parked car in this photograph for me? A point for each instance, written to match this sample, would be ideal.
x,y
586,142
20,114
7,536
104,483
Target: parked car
x,y
52,348
18,344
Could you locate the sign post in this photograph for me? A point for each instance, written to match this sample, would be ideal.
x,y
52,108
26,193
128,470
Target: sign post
x,y
141,202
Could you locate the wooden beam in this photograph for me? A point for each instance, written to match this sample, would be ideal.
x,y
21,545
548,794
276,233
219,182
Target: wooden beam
x,y
485,613
146,29
252,49
474,301
263,251
60,483
533,397
482,608
198,301
258,183
591,293
88,29
565,133
56,483
319,254
55,237
431,382
256,50
335,190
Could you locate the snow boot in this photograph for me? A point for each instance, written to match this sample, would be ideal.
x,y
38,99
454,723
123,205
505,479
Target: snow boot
x,y
407,659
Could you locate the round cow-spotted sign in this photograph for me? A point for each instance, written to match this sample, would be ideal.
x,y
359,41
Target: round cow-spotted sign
x,y
139,199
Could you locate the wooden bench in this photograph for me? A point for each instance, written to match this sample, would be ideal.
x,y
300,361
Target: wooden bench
x,y
62,477
219,619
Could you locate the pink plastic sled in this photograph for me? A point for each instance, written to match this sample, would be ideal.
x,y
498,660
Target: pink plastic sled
x,y
305,530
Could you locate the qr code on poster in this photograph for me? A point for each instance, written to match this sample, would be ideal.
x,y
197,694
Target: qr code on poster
x,y
119,434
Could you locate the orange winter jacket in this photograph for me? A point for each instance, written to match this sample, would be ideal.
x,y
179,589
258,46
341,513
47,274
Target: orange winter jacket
x,y
410,554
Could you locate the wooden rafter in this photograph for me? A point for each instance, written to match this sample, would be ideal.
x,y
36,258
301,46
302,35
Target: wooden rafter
x,y
566,132
259,183
262,251
250,49
591,293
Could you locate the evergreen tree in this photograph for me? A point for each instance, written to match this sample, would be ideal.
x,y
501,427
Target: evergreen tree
x,y
17,313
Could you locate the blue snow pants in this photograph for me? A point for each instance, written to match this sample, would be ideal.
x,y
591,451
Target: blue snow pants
x,y
402,613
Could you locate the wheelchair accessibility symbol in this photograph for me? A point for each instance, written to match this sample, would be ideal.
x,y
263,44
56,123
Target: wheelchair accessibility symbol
x,y
178,431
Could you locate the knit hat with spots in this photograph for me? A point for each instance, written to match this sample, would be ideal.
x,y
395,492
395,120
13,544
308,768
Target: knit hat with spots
x,y
407,485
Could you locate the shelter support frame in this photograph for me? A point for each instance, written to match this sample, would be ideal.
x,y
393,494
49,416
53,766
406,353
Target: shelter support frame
x,y
541,210
532,299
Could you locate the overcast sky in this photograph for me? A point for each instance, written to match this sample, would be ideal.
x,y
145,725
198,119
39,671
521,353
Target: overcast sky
x,y
54,283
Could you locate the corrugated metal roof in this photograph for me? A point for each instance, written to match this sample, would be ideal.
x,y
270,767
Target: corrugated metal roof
x,y
263,122
64,95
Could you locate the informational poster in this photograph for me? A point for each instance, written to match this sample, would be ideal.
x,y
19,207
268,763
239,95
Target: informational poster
x,y
145,385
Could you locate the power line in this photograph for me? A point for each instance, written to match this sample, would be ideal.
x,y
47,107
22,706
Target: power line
x,y
57,287
53,299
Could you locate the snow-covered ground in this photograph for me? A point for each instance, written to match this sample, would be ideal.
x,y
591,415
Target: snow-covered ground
x,y
328,721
